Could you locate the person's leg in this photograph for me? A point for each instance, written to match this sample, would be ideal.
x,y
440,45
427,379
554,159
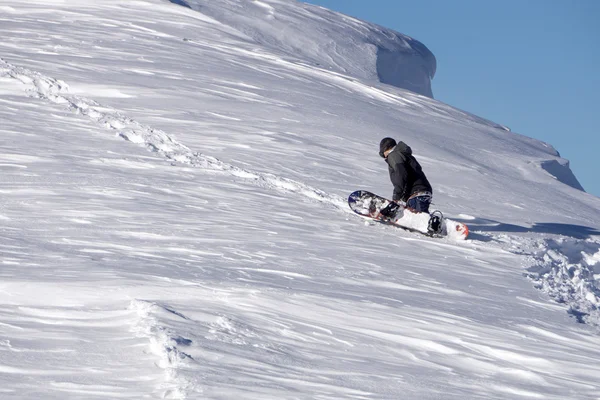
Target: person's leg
x,y
419,203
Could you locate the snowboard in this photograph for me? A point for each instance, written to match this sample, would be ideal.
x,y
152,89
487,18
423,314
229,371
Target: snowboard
x,y
369,205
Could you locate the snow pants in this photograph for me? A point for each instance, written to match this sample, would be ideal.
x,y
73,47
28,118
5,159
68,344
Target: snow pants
x,y
419,203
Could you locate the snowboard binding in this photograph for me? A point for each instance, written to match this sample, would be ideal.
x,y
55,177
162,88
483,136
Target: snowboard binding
x,y
389,211
434,227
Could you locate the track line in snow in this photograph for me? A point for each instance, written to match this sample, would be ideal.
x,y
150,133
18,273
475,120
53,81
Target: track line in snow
x,y
57,91
165,344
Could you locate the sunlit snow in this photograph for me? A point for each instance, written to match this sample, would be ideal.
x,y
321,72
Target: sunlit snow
x,y
174,221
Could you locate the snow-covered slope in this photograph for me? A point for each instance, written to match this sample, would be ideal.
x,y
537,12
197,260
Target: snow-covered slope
x,y
174,221
323,38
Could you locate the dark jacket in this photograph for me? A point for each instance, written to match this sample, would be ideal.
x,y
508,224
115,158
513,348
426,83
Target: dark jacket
x,y
406,173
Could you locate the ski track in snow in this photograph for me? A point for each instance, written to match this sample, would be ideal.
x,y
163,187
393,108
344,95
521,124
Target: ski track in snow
x,y
57,91
567,269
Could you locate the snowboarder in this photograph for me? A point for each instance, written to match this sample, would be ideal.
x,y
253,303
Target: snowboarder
x,y
410,183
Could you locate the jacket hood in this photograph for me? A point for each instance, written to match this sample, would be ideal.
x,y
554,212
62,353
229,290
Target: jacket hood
x,y
403,148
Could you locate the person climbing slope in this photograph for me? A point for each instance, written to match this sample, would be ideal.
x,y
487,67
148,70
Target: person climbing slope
x,y
410,183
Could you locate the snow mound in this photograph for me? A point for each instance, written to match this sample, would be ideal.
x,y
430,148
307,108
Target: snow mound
x,y
328,40
568,270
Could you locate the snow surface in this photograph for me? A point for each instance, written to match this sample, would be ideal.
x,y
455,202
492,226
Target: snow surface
x,y
174,219
325,39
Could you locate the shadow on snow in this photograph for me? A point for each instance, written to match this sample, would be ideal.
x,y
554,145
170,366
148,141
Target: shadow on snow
x,y
180,3
485,226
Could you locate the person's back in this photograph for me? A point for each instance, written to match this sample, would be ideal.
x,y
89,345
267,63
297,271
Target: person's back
x,y
402,163
410,183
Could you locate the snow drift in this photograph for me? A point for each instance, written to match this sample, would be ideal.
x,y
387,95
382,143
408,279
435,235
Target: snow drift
x,y
327,39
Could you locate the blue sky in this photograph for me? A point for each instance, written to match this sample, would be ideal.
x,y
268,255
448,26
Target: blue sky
x,y
532,65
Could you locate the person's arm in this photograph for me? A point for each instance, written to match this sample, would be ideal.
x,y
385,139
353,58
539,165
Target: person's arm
x,y
399,177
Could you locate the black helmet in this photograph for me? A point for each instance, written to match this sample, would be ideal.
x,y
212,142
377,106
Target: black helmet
x,y
386,144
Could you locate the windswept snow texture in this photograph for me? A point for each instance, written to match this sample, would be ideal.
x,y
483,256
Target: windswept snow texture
x,y
173,185
326,39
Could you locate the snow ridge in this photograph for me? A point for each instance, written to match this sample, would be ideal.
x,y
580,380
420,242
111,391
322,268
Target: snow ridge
x,y
343,44
56,91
